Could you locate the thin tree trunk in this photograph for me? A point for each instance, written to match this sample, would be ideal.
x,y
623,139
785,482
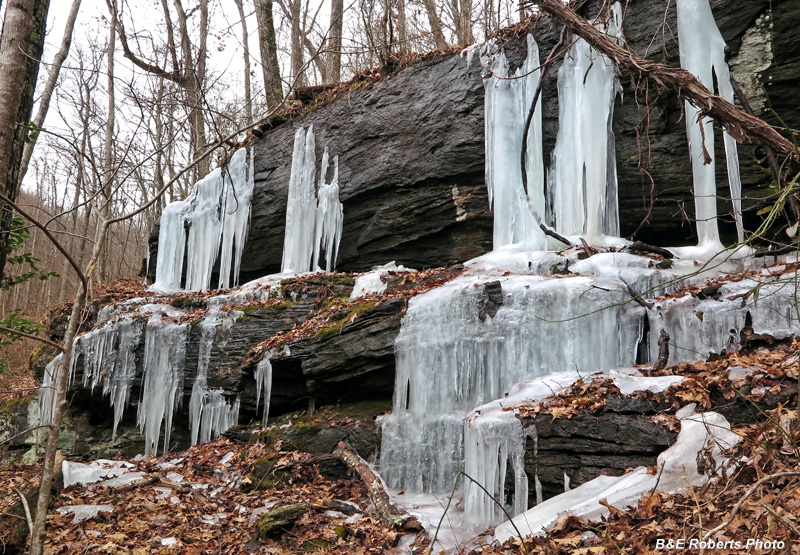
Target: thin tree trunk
x,y
436,24
50,86
465,36
297,44
20,51
402,29
248,100
335,40
269,53
108,152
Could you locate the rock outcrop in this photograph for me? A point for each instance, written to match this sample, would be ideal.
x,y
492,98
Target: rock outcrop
x,y
411,146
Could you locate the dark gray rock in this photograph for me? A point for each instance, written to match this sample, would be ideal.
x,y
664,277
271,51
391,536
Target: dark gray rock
x,y
586,446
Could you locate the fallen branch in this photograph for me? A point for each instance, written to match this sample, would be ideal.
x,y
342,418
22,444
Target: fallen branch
x,y
638,246
386,511
741,126
26,508
636,297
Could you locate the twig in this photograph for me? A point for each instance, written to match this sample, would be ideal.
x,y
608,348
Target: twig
x,y
636,297
744,498
27,510
554,235
31,336
586,248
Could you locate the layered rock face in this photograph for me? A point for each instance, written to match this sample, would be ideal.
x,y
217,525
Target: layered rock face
x,y
411,146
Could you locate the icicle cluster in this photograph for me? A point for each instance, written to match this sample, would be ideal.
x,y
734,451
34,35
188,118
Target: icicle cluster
x,y
311,228
584,176
211,222
210,413
450,359
508,100
702,51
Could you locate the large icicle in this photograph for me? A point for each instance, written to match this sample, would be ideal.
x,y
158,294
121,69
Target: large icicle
x,y
453,354
702,51
301,206
584,178
508,99
264,384
330,216
162,388
211,222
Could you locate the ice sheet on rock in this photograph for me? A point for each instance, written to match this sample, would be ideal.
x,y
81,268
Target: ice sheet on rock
x,y
373,281
212,222
629,383
84,512
163,370
89,473
122,480
456,531
301,206
517,212
702,52
698,327
584,178
261,289
708,432
330,217
452,356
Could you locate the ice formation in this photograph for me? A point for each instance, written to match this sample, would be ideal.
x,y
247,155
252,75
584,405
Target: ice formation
x,y
263,377
212,222
162,387
373,281
301,206
543,325
709,431
583,180
210,413
330,216
508,99
702,51
311,228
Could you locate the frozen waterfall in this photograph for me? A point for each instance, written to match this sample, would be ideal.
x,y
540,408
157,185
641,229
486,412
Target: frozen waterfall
x,y
212,222
508,99
583,178
311,228
702,51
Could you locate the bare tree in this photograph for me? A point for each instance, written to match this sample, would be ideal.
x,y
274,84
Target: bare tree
x,y
268,45
335,40
436,24
248,100
52,80
21,45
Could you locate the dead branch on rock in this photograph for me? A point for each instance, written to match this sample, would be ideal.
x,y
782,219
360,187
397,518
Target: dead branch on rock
x,y
639,246
741,126
386,511
663,351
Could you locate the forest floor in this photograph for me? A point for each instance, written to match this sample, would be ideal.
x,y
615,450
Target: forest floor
x,y
209,499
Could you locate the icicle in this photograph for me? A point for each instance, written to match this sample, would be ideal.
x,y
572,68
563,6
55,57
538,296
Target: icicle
x,y
211,222
330,216
263,377
162,388
537,485
702,51
584,175
566,482
508,99
298,244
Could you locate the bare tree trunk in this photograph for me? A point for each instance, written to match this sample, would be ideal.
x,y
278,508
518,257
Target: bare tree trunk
x,y
108,152
248,100
269,53
297,43
436,24
335,40
20,50
402,29
464,23
50,86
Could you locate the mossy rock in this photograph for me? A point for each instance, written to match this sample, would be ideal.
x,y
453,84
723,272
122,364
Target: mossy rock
x,y
188,303
344,319
316,544
277,520
265,476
